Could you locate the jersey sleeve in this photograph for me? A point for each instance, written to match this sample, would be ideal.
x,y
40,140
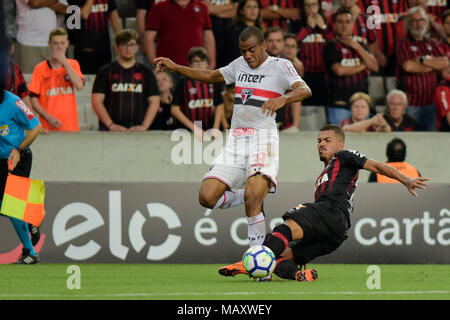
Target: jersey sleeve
x,y
331,54
24,116
35,82
101,81
352,158
151,84
229,72
178,96
289,74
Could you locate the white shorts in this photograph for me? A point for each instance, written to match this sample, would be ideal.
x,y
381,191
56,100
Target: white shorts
x,y
247,152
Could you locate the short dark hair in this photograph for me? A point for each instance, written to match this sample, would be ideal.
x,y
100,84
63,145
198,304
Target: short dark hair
x,y
396,150
340,11
251,31
198,52
445,15
337,130
290,36
274,29
125,36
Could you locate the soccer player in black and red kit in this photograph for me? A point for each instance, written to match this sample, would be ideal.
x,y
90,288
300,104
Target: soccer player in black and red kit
x,y
322,226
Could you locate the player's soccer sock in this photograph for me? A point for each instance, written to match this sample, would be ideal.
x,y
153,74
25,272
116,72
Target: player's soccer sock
x,y
21,228
230,199
279,239
286,268
256,229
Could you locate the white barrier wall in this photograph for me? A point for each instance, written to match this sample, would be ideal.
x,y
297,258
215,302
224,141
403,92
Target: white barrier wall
x,y
106,156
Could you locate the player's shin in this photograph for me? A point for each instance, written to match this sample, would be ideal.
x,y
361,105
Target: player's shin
x,y
230,199
286,268
279,239
256,229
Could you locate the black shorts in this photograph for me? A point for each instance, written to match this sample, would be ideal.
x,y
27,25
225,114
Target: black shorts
x,y
22,169
324,230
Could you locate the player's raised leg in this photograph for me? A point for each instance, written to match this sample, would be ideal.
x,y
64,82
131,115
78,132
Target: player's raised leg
x,y
215,194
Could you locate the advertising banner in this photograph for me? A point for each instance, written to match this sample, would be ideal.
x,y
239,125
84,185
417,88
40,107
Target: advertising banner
x,y
164,223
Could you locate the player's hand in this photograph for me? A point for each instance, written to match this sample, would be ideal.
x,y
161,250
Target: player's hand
x,y
272,105
54,122
414,183
13,159
164,63
117,128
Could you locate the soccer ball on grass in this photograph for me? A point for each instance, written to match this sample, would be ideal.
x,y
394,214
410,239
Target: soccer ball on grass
x,y
259,261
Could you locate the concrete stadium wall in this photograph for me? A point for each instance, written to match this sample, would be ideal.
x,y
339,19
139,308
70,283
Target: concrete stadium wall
x,y
91,156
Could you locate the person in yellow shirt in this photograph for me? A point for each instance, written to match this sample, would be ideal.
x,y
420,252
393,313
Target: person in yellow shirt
x,y
396,154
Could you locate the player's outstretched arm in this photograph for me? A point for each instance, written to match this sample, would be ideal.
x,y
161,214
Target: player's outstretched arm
x,y
391,172
204,75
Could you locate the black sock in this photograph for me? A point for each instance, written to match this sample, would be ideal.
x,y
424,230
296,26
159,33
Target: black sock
x,y
279,239
286,269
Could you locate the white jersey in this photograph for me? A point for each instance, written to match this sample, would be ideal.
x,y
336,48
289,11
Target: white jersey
x,y
254,86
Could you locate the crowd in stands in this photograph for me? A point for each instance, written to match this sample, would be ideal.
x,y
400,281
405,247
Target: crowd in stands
x,y
336,46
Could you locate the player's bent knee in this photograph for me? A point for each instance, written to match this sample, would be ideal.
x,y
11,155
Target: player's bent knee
x,y
207,200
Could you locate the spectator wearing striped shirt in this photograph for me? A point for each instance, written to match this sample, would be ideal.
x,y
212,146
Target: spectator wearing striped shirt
x,y
419,61
312,35
348,64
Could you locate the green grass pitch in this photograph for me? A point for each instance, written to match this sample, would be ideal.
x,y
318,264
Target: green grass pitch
x,y
202,282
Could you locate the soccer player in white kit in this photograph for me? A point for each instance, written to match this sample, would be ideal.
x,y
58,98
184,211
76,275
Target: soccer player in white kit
x,y
247,167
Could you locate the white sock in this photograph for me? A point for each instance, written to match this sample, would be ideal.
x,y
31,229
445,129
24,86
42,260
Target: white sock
x,y
230,199
256,230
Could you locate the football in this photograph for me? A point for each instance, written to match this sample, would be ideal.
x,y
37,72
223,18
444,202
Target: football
x,y
259,261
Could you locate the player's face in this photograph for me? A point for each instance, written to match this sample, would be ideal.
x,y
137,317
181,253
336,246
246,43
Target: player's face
x,y
290,48
396,107
250,11
275,44
253,52
328,143
447,26
311,7
344,25
127,50
360,110
58,44
417,25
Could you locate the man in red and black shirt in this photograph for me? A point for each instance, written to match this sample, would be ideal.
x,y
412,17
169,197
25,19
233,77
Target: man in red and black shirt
x,y
179,25
445,42
419,61
347,64
125,94
311,37
15,81
279,13
388,12
442,100
92,41
322,225
361,32
194,102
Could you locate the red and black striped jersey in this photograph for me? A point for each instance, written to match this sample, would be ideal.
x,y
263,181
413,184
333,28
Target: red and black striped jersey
x,y
283,23
437,8
198,100
94,32
15,82
311,44
361,32
389,14
126,92
340,88
442,101
337,182
419,87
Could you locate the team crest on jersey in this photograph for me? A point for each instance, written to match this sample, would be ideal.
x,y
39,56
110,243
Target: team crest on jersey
x,y
246,94
4,130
